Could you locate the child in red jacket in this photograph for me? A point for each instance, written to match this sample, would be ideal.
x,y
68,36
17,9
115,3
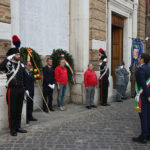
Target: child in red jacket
x,y
90,81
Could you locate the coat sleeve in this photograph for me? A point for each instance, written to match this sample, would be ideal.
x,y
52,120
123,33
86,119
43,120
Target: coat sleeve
x,y
117,71
3,65
57,75
25,78
96,79
142,82
46,78
85,79
54,82
126,72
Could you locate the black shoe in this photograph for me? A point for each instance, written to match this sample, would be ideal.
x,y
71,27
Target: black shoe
x,y
21,130
139,140
104,104
107,105
45,111
119,101
148,138
88,107
33,119
124,98
93,106
51,109
27,122
13,133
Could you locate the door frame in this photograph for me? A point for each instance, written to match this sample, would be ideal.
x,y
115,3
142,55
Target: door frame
x,y
127,33
114,86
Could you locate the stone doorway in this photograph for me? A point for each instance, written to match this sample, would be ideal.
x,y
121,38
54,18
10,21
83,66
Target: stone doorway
x,y
117,44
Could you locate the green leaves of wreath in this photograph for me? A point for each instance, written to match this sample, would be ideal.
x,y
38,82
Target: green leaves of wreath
x,y
35,55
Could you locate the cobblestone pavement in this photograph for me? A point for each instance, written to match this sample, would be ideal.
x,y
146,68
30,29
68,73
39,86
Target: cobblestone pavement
x,y
104,128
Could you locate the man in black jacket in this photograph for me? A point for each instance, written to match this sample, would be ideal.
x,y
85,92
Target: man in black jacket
x,y
48,84
16,86
30,88
104,78
142,76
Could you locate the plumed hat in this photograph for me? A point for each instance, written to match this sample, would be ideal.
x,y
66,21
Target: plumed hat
x,y
16,41
12,51
102,52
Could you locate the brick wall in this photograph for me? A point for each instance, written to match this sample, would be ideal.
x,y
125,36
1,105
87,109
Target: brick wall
x,y
5,17
141,19
97,27
4,46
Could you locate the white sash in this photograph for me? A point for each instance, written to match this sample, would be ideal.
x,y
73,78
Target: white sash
x,y
13,75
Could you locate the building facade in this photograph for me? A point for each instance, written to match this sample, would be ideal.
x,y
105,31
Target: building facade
x,y
79,26
148,26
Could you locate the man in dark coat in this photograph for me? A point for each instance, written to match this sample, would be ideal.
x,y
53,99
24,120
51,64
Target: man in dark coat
x,y
104,81
48,84
142,76
120,82
30,88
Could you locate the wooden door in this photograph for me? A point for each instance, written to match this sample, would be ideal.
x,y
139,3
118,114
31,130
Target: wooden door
x,y
117,50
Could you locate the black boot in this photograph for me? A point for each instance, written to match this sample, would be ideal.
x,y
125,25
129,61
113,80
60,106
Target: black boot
x,y
93,106
139,140
13,133
33,119
88,107
51,109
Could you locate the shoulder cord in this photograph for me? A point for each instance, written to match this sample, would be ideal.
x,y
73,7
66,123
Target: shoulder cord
x,y
15,72
106,68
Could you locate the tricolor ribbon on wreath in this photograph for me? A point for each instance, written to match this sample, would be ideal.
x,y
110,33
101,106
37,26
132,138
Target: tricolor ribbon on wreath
x,y
37,73
137,101
69,67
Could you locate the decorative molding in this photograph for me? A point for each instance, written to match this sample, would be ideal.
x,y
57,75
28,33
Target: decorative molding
x,y
122,5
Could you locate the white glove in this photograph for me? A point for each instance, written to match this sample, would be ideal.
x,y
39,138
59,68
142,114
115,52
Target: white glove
x,y
27,93
10,57
105,60
52,86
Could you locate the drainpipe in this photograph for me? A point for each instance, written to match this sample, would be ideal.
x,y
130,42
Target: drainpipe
x,y
147,24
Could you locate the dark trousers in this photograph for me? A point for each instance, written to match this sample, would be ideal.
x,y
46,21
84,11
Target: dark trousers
x,y
48,95
15,97
120,90
104,83
90,93
145,118
29,107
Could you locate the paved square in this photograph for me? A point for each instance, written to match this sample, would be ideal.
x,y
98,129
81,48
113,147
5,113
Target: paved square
x,y
104,128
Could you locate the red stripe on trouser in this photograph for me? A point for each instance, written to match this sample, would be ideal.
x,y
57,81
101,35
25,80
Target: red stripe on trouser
x,y
101,91
9,108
